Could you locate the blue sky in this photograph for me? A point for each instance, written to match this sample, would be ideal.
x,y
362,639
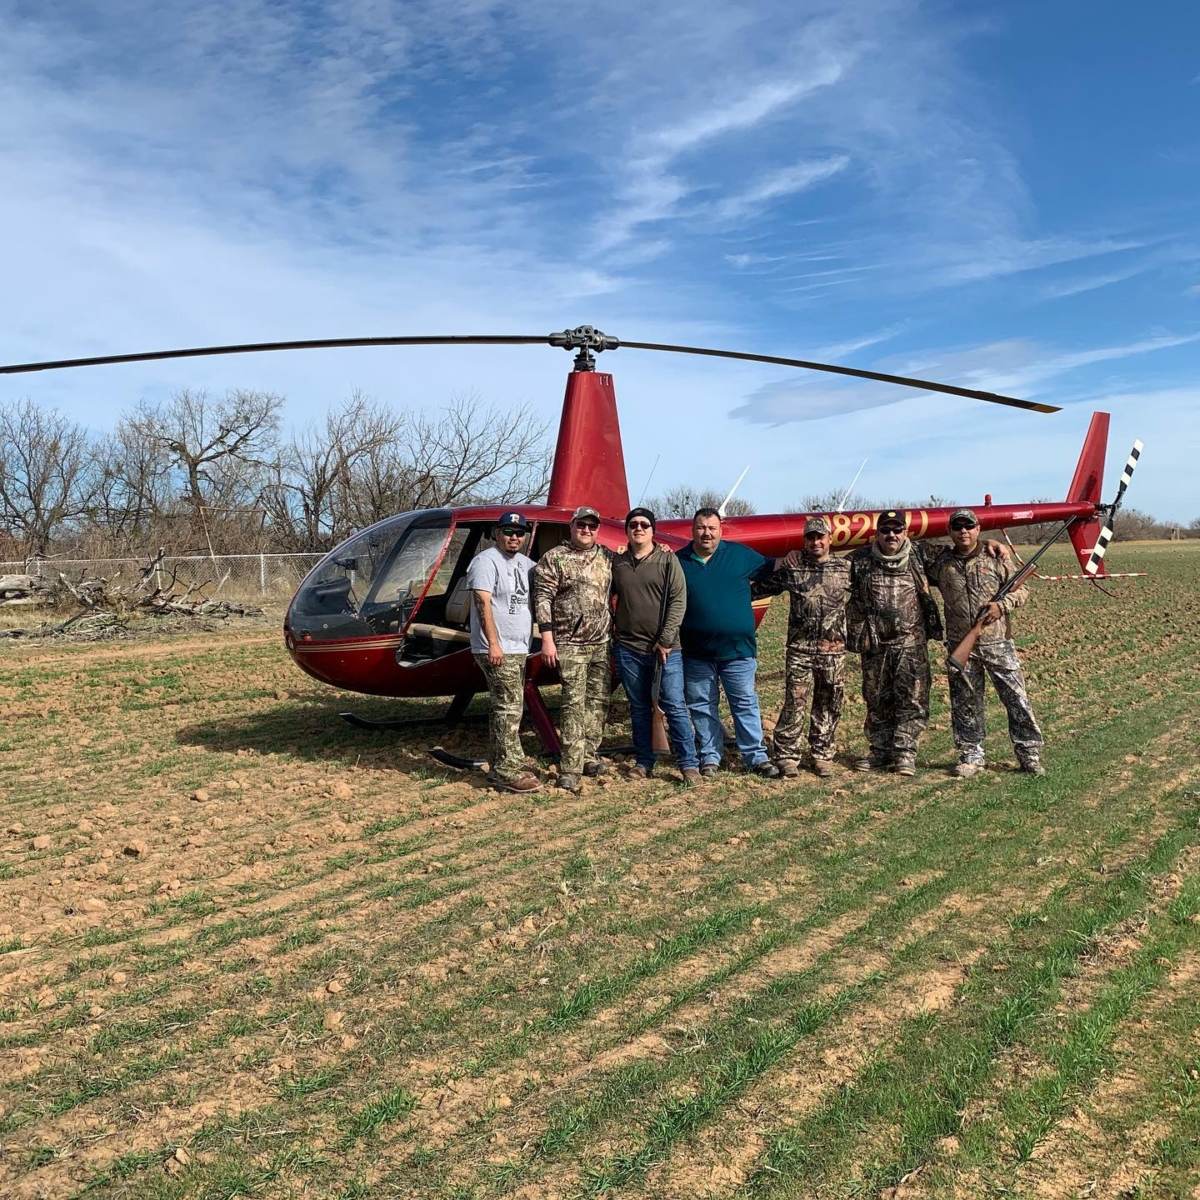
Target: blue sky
x,y
1006,199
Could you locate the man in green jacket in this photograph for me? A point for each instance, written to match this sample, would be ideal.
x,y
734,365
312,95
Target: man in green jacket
x,y
651,598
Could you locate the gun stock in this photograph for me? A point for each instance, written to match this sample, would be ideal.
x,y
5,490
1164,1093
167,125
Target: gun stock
x,y
961,652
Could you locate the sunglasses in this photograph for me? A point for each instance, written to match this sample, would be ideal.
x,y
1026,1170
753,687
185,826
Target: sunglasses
x,y
510,532
639,525
891,531
592,525
959,526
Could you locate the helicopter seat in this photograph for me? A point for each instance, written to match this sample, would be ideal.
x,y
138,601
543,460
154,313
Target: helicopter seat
x,y
454,626
458,606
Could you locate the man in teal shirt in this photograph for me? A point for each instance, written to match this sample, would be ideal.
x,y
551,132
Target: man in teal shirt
x,y
720,649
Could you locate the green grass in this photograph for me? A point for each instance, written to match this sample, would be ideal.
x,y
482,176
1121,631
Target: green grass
x,y
685,955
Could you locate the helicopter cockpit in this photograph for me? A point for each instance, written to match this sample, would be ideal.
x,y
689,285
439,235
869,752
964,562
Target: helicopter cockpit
x,y
373,583
405,574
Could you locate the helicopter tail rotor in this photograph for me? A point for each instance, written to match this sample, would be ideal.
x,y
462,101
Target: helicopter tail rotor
x,y
1094,565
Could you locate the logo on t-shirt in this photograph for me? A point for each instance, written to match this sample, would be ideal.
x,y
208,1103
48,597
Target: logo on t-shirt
x,y
519,599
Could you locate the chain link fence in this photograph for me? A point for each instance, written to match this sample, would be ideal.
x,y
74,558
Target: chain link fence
x,y
228,576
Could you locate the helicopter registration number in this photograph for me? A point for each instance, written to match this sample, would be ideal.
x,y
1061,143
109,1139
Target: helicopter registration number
x,y
856,529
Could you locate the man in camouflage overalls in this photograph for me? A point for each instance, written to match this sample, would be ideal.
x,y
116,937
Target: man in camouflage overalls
x,y
817,582
968,579
890,616
501,634
570,591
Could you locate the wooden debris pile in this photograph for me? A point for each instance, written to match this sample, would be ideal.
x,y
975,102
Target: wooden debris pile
x,y
104,605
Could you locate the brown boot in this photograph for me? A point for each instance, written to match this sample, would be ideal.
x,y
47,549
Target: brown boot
x,y
522,783
692,777
822,768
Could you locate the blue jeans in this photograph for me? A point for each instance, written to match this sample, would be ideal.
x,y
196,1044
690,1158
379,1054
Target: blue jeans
x,y
703,681
637,676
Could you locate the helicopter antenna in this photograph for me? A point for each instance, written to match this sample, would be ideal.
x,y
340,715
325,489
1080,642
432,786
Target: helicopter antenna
x,y
738,484
846,494
646,485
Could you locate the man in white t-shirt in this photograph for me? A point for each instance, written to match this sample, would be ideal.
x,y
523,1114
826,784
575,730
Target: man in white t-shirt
x,y
501,633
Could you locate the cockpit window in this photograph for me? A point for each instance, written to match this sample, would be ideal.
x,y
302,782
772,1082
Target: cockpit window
x,y
372,583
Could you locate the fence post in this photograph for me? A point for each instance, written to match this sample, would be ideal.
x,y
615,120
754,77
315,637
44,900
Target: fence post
x,y
262,571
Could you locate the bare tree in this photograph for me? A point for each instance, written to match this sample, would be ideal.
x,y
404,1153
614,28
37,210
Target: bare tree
x,y
221,447
831,501
473,454
683,500
133,485
1132,525
311,496
43,473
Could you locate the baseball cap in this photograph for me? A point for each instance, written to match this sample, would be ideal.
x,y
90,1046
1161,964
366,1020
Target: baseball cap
x,y
816,525
512,520
891,520
964,514
583,511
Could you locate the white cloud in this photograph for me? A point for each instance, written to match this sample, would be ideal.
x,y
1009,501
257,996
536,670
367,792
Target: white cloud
x,y
1019,367
837,351
1090,283
740,113
787,182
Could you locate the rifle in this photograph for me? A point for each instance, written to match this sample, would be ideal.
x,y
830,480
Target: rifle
x,y
961,652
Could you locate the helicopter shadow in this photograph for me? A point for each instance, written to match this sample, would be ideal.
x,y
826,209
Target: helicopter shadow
x,y
315,732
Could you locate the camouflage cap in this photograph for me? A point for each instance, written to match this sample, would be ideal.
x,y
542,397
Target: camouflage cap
x,y
964,514
892,520
582,513
816,525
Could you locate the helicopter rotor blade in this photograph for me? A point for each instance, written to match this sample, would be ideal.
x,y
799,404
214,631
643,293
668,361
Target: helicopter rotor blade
x,y
584,338
1098,551
901,380
262,347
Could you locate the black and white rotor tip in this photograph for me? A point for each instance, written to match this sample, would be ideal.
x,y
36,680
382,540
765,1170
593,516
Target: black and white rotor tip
x,y
1096,561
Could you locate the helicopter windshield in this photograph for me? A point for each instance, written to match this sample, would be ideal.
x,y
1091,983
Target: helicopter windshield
x,y
372,583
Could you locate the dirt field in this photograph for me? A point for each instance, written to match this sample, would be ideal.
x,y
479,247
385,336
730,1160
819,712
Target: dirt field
x,y
246,950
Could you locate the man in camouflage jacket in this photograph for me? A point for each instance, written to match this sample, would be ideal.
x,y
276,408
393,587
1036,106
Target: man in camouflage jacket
x,y
570,602
968,578
818,583
890,616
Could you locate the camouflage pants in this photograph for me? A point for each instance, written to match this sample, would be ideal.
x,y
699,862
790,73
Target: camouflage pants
x,y
896,682
506,693
586,683
810,676
998,661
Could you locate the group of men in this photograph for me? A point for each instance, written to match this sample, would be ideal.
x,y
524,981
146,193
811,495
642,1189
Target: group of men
x,y
680,629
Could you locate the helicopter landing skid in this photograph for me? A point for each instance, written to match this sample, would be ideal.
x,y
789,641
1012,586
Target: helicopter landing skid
x,y
454,715
457,761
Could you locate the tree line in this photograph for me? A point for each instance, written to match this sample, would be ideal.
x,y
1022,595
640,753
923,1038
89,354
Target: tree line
x,y
202,474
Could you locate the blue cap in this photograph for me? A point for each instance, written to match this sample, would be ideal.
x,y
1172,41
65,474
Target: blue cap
x,y
512,520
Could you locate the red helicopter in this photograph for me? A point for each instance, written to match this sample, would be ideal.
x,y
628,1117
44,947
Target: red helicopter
x,y
386,612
